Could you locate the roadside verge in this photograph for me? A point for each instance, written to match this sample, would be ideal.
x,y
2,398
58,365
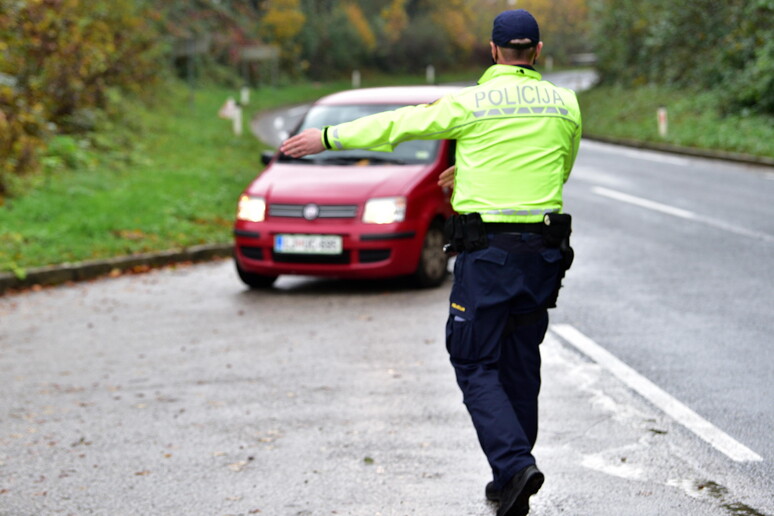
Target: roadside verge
x,y
87,270
686,151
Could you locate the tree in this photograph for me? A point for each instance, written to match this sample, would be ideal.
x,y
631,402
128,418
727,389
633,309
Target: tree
x,y
395,20
704,44
61,58
359,23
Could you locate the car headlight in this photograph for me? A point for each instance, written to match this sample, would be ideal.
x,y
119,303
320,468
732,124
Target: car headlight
x,y
385,210
252,209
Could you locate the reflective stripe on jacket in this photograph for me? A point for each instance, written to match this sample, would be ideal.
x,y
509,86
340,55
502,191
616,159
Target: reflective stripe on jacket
x,y
517,139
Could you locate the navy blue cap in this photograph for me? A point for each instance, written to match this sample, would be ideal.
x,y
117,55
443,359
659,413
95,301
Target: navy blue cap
x,y
515,24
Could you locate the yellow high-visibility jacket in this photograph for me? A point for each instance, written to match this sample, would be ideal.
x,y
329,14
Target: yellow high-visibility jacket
x,y
517,138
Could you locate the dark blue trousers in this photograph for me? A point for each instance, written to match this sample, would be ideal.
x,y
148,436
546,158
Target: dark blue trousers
x,y
498,365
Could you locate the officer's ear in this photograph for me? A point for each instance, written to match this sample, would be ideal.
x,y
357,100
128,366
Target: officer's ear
x,y
538,48
493,49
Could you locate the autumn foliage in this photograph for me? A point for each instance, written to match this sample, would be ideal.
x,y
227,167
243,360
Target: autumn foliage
x,y
59,61
726,47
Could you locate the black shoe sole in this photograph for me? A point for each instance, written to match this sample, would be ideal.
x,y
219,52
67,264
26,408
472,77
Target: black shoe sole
x,y
520,506
493,495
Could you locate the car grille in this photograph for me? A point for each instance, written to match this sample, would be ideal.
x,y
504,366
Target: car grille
x,y
365,256
326,259
296,211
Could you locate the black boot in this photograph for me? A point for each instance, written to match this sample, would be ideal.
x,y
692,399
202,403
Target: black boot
x,y
492,494
515,496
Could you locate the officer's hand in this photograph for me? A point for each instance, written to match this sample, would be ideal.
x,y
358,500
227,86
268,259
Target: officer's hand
x,y
304,143
446,179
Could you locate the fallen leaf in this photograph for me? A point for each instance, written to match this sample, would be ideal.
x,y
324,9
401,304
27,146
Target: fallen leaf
x,y
237,466
129,234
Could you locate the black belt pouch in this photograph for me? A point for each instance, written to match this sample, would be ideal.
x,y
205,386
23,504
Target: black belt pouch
x,y
466,232
556,233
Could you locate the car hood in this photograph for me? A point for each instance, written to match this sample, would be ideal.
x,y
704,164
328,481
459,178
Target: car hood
x,y
314,183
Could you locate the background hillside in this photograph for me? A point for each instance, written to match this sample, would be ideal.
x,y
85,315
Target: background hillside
x,y
109,108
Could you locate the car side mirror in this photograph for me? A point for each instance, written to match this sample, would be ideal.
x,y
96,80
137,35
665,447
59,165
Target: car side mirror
x,y
267,156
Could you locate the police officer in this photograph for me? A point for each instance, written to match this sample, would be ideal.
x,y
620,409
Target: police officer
x,y
517,139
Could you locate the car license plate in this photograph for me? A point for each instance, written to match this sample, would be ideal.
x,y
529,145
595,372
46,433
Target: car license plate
x,y
308,244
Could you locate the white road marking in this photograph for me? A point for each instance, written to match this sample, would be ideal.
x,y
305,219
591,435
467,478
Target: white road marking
x,y
681,213
645,203
664,401
637,154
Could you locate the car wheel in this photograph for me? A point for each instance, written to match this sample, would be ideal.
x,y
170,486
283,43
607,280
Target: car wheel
x,y
255,281
433,262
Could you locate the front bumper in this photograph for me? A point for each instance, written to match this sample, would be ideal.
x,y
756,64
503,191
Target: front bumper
x,y
368,250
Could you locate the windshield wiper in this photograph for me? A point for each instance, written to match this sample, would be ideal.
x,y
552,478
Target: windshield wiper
x,y
348,160
284,158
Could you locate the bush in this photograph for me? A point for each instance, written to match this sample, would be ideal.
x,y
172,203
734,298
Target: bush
x,y
59,58
22,129
723,46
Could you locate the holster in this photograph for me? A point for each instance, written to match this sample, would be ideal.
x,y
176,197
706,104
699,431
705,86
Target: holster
x,y
465,233
556,233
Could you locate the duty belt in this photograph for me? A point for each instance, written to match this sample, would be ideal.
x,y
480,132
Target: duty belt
x,y
514,227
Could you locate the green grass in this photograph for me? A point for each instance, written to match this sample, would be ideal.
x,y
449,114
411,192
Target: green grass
x,y
695,119
177,187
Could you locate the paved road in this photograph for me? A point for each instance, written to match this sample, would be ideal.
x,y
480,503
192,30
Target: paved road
x,y
180,392
678,254
674,277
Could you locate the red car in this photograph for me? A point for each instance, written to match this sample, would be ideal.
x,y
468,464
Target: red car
x,y
349,214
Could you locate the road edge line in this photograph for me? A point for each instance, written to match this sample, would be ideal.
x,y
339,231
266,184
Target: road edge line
x,y
664,401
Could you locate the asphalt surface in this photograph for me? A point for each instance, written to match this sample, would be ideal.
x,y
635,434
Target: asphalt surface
x,y
674,278
676,254
180,392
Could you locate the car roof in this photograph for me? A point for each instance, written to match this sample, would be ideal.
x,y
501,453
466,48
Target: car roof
x,y
388,95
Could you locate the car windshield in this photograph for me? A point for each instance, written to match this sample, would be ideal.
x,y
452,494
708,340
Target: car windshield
x,y
410,152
